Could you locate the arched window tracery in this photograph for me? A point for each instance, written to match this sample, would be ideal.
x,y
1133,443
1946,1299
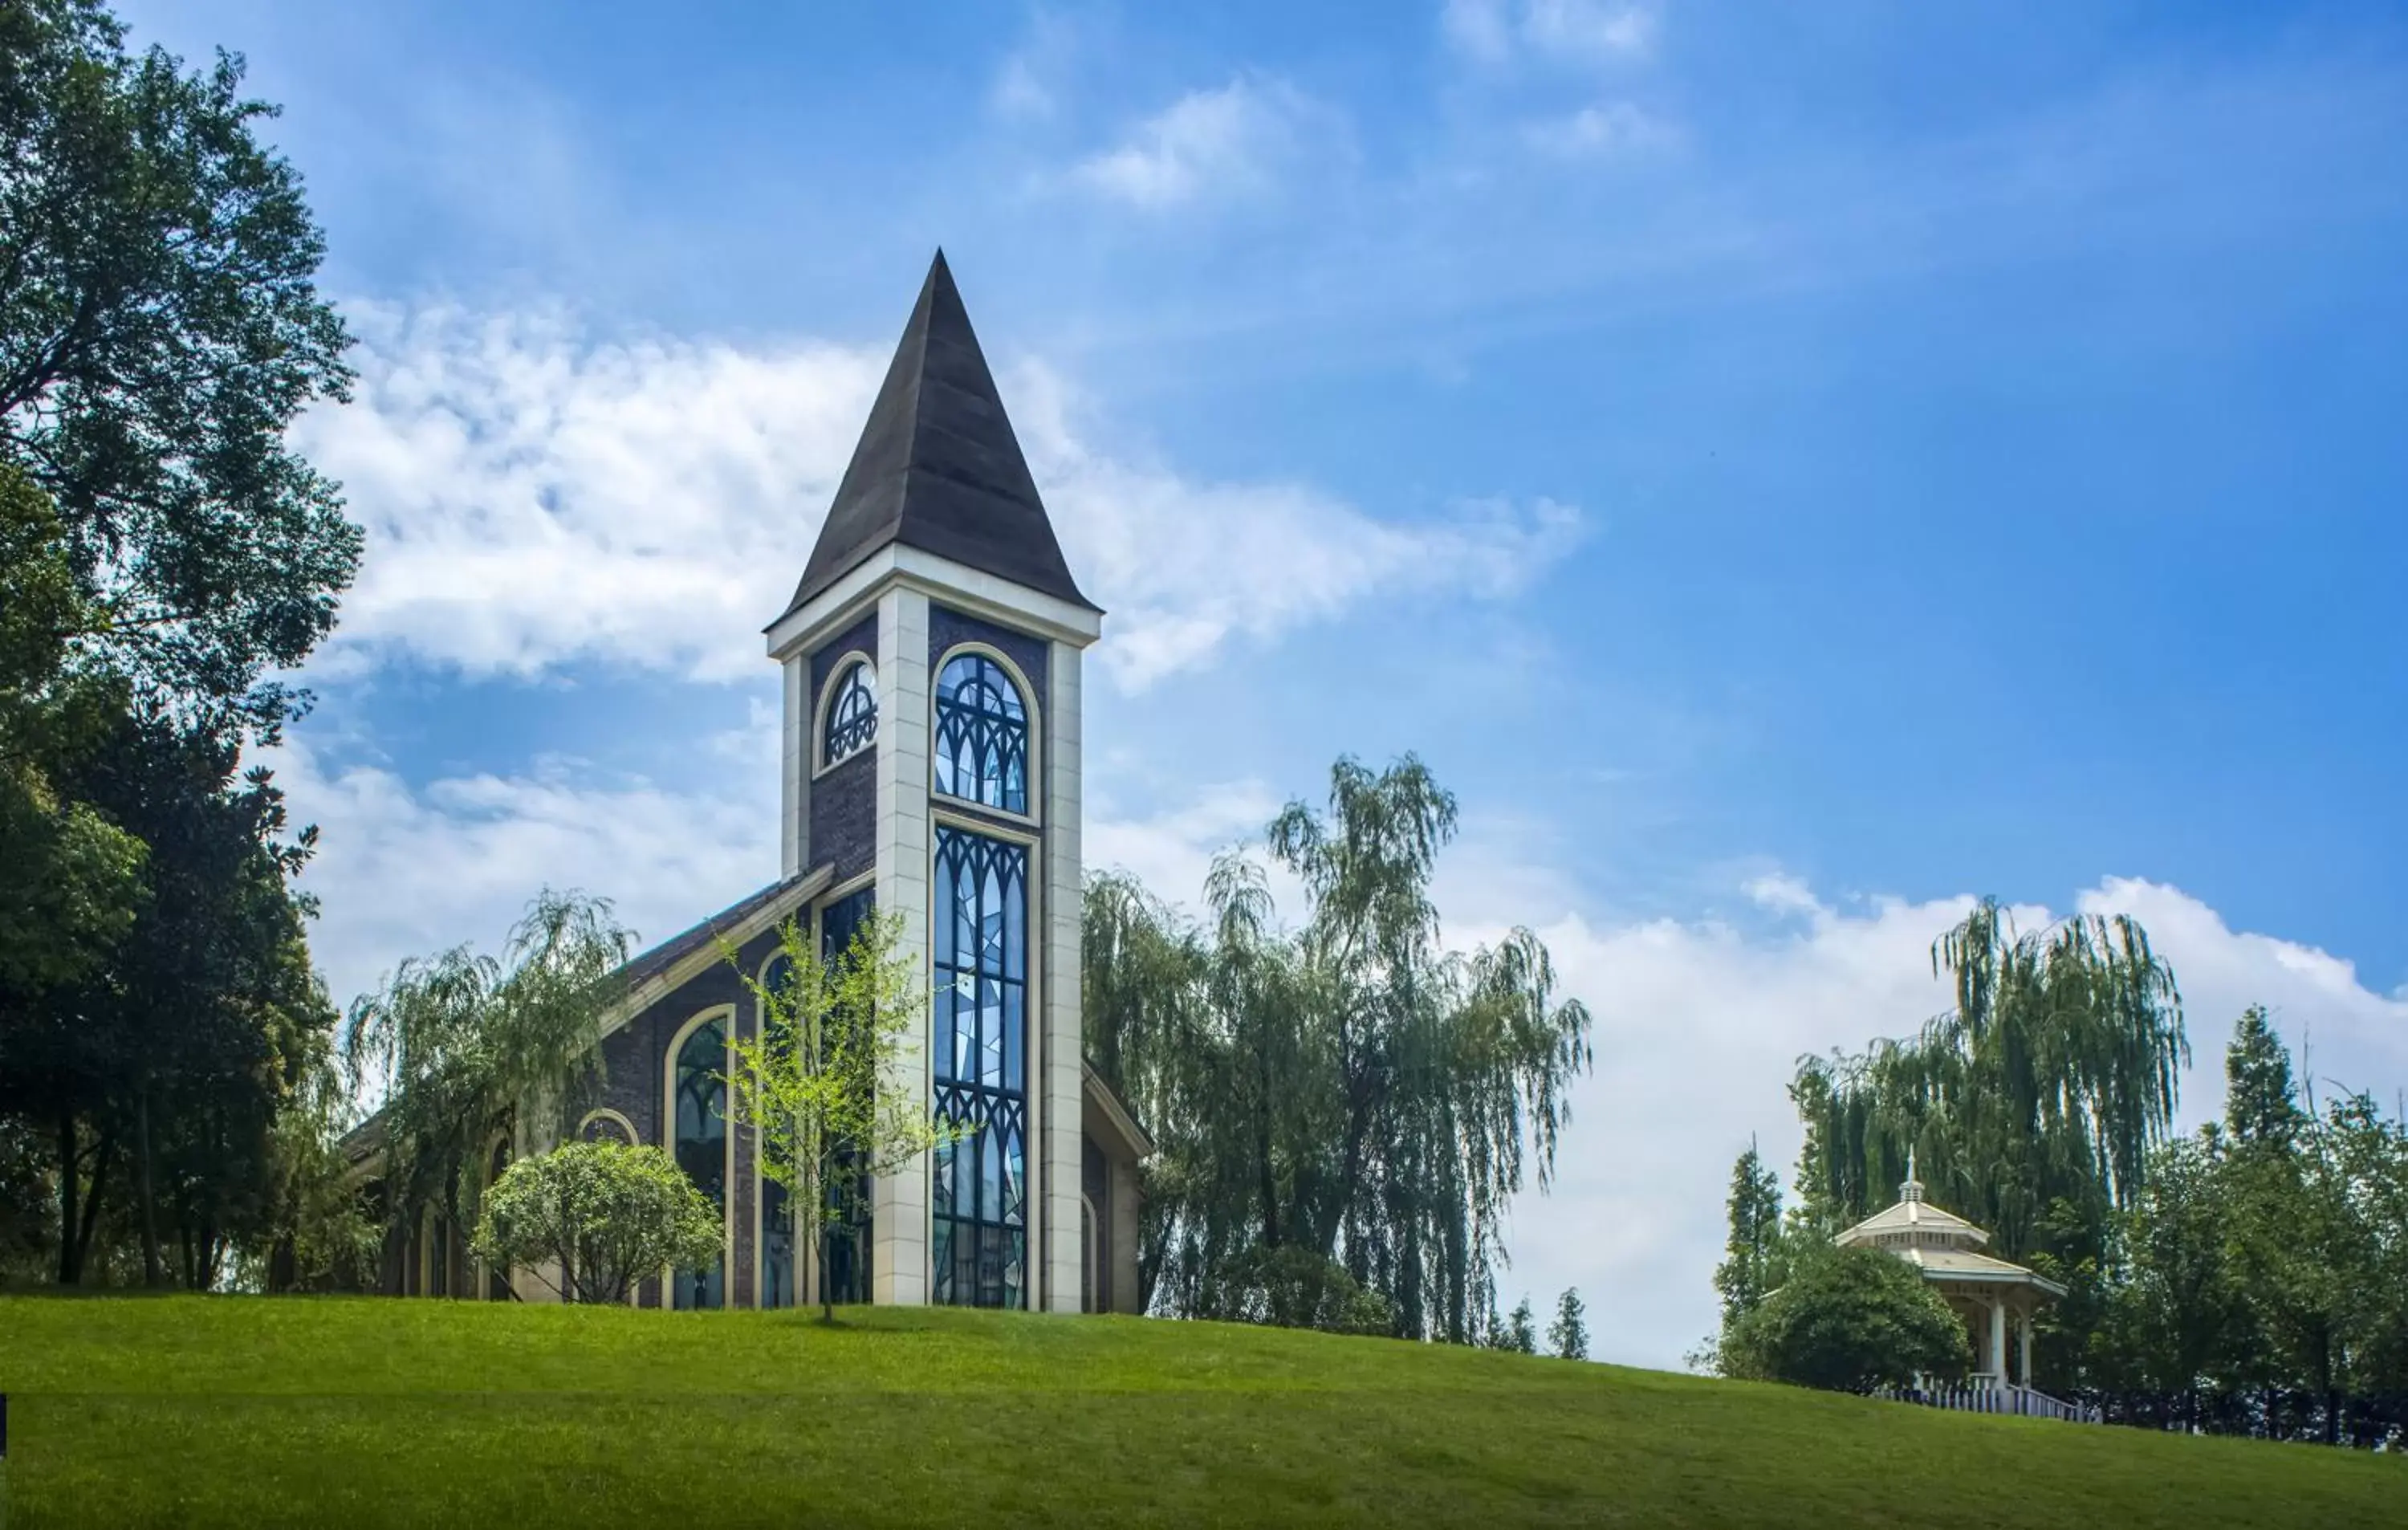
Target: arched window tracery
x,y
852,721
979,1256
982,743
698,1099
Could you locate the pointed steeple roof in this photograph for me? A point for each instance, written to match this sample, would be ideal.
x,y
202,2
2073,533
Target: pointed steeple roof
x,y
938,466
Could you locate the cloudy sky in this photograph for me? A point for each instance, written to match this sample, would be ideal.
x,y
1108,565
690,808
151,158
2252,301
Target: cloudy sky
x,y
1790,469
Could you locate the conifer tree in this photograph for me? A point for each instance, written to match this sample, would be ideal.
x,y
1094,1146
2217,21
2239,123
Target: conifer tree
x,y
1568,1336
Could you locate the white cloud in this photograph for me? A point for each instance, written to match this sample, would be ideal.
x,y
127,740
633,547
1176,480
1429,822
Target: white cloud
x,y
1588,28
1213,144
1575,31
1025,85
1607,128
534,496
405,871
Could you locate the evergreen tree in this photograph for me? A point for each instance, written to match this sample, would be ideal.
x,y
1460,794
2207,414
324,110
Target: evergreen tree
x,y
2261,1101
1568,1336
1521,1329
1753,1256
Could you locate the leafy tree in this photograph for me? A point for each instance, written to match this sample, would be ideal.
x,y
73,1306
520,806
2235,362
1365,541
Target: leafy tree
x,y
590,1219
1849,1320
1291,1287
69,878
2176,1319
159,329
1753,1257
461,1044
1349,1088
1568,1336
2033,1103
1521,1333
822,1082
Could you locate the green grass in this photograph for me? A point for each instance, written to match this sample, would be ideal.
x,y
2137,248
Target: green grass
x,y
199,1410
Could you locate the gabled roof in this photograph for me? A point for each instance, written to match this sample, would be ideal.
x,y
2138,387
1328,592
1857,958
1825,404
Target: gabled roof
x,y
938,466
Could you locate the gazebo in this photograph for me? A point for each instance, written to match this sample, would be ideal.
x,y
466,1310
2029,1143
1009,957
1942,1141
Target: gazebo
x,y
1985,1292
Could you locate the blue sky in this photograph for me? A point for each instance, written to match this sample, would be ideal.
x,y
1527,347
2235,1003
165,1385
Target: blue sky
x,y
1788,468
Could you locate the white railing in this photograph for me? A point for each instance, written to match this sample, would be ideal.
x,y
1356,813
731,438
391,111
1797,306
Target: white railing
x,y
1989,1395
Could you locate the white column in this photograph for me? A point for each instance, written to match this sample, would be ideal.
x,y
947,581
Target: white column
x,y
900,1259
1061,1055
1998,1340
2022,1330
794,773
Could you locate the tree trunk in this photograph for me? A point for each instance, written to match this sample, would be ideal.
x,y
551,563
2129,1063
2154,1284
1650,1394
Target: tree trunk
x,y
91,1202
70,1268
150,1208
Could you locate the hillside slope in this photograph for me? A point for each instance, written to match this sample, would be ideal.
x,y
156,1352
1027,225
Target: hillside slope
x,y
220,1410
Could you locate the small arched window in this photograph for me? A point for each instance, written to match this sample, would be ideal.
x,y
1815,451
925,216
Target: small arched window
x,y
851,723
981,753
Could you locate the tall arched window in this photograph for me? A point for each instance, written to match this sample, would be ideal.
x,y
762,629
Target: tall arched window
x,y
852,721
700,1102
979,1216
982,753
845,1256
778,1267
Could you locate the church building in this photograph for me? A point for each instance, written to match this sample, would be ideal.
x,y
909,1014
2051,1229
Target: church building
x,y
932,664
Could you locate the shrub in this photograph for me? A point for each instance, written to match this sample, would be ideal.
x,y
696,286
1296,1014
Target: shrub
x,y
1297,1288
592,1218
1848,1320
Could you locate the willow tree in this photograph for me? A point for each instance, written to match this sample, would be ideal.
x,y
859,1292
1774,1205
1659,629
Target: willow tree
x,y
460,1044
1345,1104
2049,1081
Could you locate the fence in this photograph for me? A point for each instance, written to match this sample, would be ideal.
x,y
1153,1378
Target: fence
x,y
1984,1394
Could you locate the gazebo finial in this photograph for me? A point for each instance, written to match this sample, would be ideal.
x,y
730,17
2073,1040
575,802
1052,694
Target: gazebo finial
x,y
1913,1189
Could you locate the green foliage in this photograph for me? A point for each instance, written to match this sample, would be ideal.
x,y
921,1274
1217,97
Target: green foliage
x,y
160,549
591,1219
2264,1280
1295,1288
1520,1333
2261,1102
811,1082
1756,1255
2032,1105
1848,1320
460,1044
159,329
1349,1088
1568,1336
70,880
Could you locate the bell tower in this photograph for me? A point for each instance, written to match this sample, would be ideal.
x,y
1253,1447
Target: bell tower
x,y
931,760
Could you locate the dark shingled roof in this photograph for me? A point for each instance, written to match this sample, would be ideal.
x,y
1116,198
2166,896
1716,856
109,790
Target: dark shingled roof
x,y
665,955
938,466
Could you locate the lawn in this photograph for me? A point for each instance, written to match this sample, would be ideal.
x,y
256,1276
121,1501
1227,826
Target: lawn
x,y
194,1410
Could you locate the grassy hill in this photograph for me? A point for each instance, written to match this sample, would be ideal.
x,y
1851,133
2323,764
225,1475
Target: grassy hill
x,y
222,1410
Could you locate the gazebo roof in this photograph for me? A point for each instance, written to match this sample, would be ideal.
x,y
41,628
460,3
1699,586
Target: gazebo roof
x,y
1944,1246
1912,1214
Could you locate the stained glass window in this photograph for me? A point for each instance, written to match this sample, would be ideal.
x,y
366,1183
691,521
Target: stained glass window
x,y
982,753
979,1203
701,1111
852,714
846,1260
777,1212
